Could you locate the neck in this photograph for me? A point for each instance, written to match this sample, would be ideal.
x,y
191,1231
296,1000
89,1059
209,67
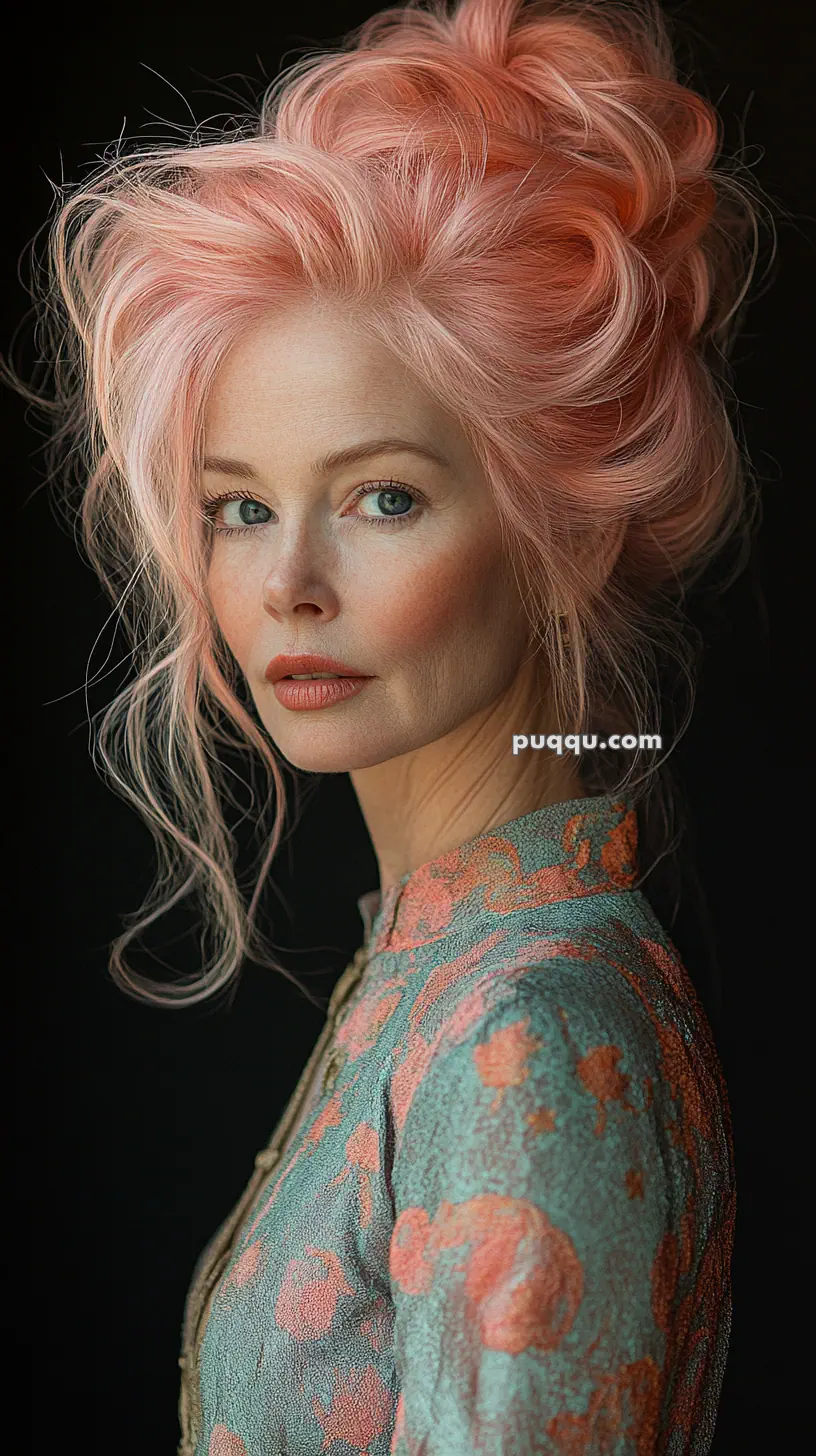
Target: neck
x,y
429,801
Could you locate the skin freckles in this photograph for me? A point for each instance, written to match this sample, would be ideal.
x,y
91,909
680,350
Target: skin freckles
x,y
428,604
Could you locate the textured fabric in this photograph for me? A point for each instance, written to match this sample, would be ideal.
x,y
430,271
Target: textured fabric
x,y
498,1214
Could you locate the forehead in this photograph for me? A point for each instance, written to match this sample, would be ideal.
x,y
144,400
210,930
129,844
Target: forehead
x,y
312,372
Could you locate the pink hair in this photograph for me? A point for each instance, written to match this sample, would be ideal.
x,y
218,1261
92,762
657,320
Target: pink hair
x,y
523,203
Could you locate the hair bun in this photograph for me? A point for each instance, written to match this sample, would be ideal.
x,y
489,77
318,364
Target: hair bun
x,y
572,80
486,28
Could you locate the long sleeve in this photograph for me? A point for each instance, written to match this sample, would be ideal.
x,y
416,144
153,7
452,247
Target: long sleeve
x,y
556,1282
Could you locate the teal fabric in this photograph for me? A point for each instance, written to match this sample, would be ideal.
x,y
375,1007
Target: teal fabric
x,y
505,1225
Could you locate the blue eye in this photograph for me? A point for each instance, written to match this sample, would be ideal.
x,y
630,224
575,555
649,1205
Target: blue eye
x,y
392,503
245,509
247,505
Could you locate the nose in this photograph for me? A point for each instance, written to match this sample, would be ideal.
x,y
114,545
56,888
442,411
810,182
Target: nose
x,y
297,586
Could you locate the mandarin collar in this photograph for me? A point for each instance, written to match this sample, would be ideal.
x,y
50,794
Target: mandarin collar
x,y
558,852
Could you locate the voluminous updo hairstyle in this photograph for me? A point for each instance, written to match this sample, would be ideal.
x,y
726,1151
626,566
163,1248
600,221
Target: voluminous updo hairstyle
x,y
522,202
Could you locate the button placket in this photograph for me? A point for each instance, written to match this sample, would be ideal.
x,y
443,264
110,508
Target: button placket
x,y
338,1055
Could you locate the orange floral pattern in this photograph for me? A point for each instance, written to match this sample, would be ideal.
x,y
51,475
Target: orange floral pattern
x,y
506,1225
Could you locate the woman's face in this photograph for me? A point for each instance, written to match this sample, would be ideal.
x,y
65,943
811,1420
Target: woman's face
x,y
387,558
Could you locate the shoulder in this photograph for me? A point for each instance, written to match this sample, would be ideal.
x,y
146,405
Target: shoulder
x,y
618,982
563,1022
571,1096
610,1035
614,988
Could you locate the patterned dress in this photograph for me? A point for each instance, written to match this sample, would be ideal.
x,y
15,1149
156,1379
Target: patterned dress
x,y
497,1214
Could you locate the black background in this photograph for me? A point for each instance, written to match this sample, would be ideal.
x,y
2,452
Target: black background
x,y
133,1130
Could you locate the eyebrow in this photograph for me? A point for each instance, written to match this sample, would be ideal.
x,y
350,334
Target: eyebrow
x,y
334,460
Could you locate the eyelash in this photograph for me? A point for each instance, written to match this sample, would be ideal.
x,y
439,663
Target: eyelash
x,y
211,504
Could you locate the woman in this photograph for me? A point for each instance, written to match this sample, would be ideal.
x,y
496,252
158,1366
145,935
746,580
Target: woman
x,y
402,414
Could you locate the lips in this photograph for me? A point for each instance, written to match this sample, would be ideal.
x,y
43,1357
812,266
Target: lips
x,y
288,665
306,696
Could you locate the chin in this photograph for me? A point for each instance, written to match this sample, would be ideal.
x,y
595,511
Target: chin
x,y
342,756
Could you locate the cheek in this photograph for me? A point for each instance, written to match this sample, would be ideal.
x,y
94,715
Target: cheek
x,y
231,595
448,602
